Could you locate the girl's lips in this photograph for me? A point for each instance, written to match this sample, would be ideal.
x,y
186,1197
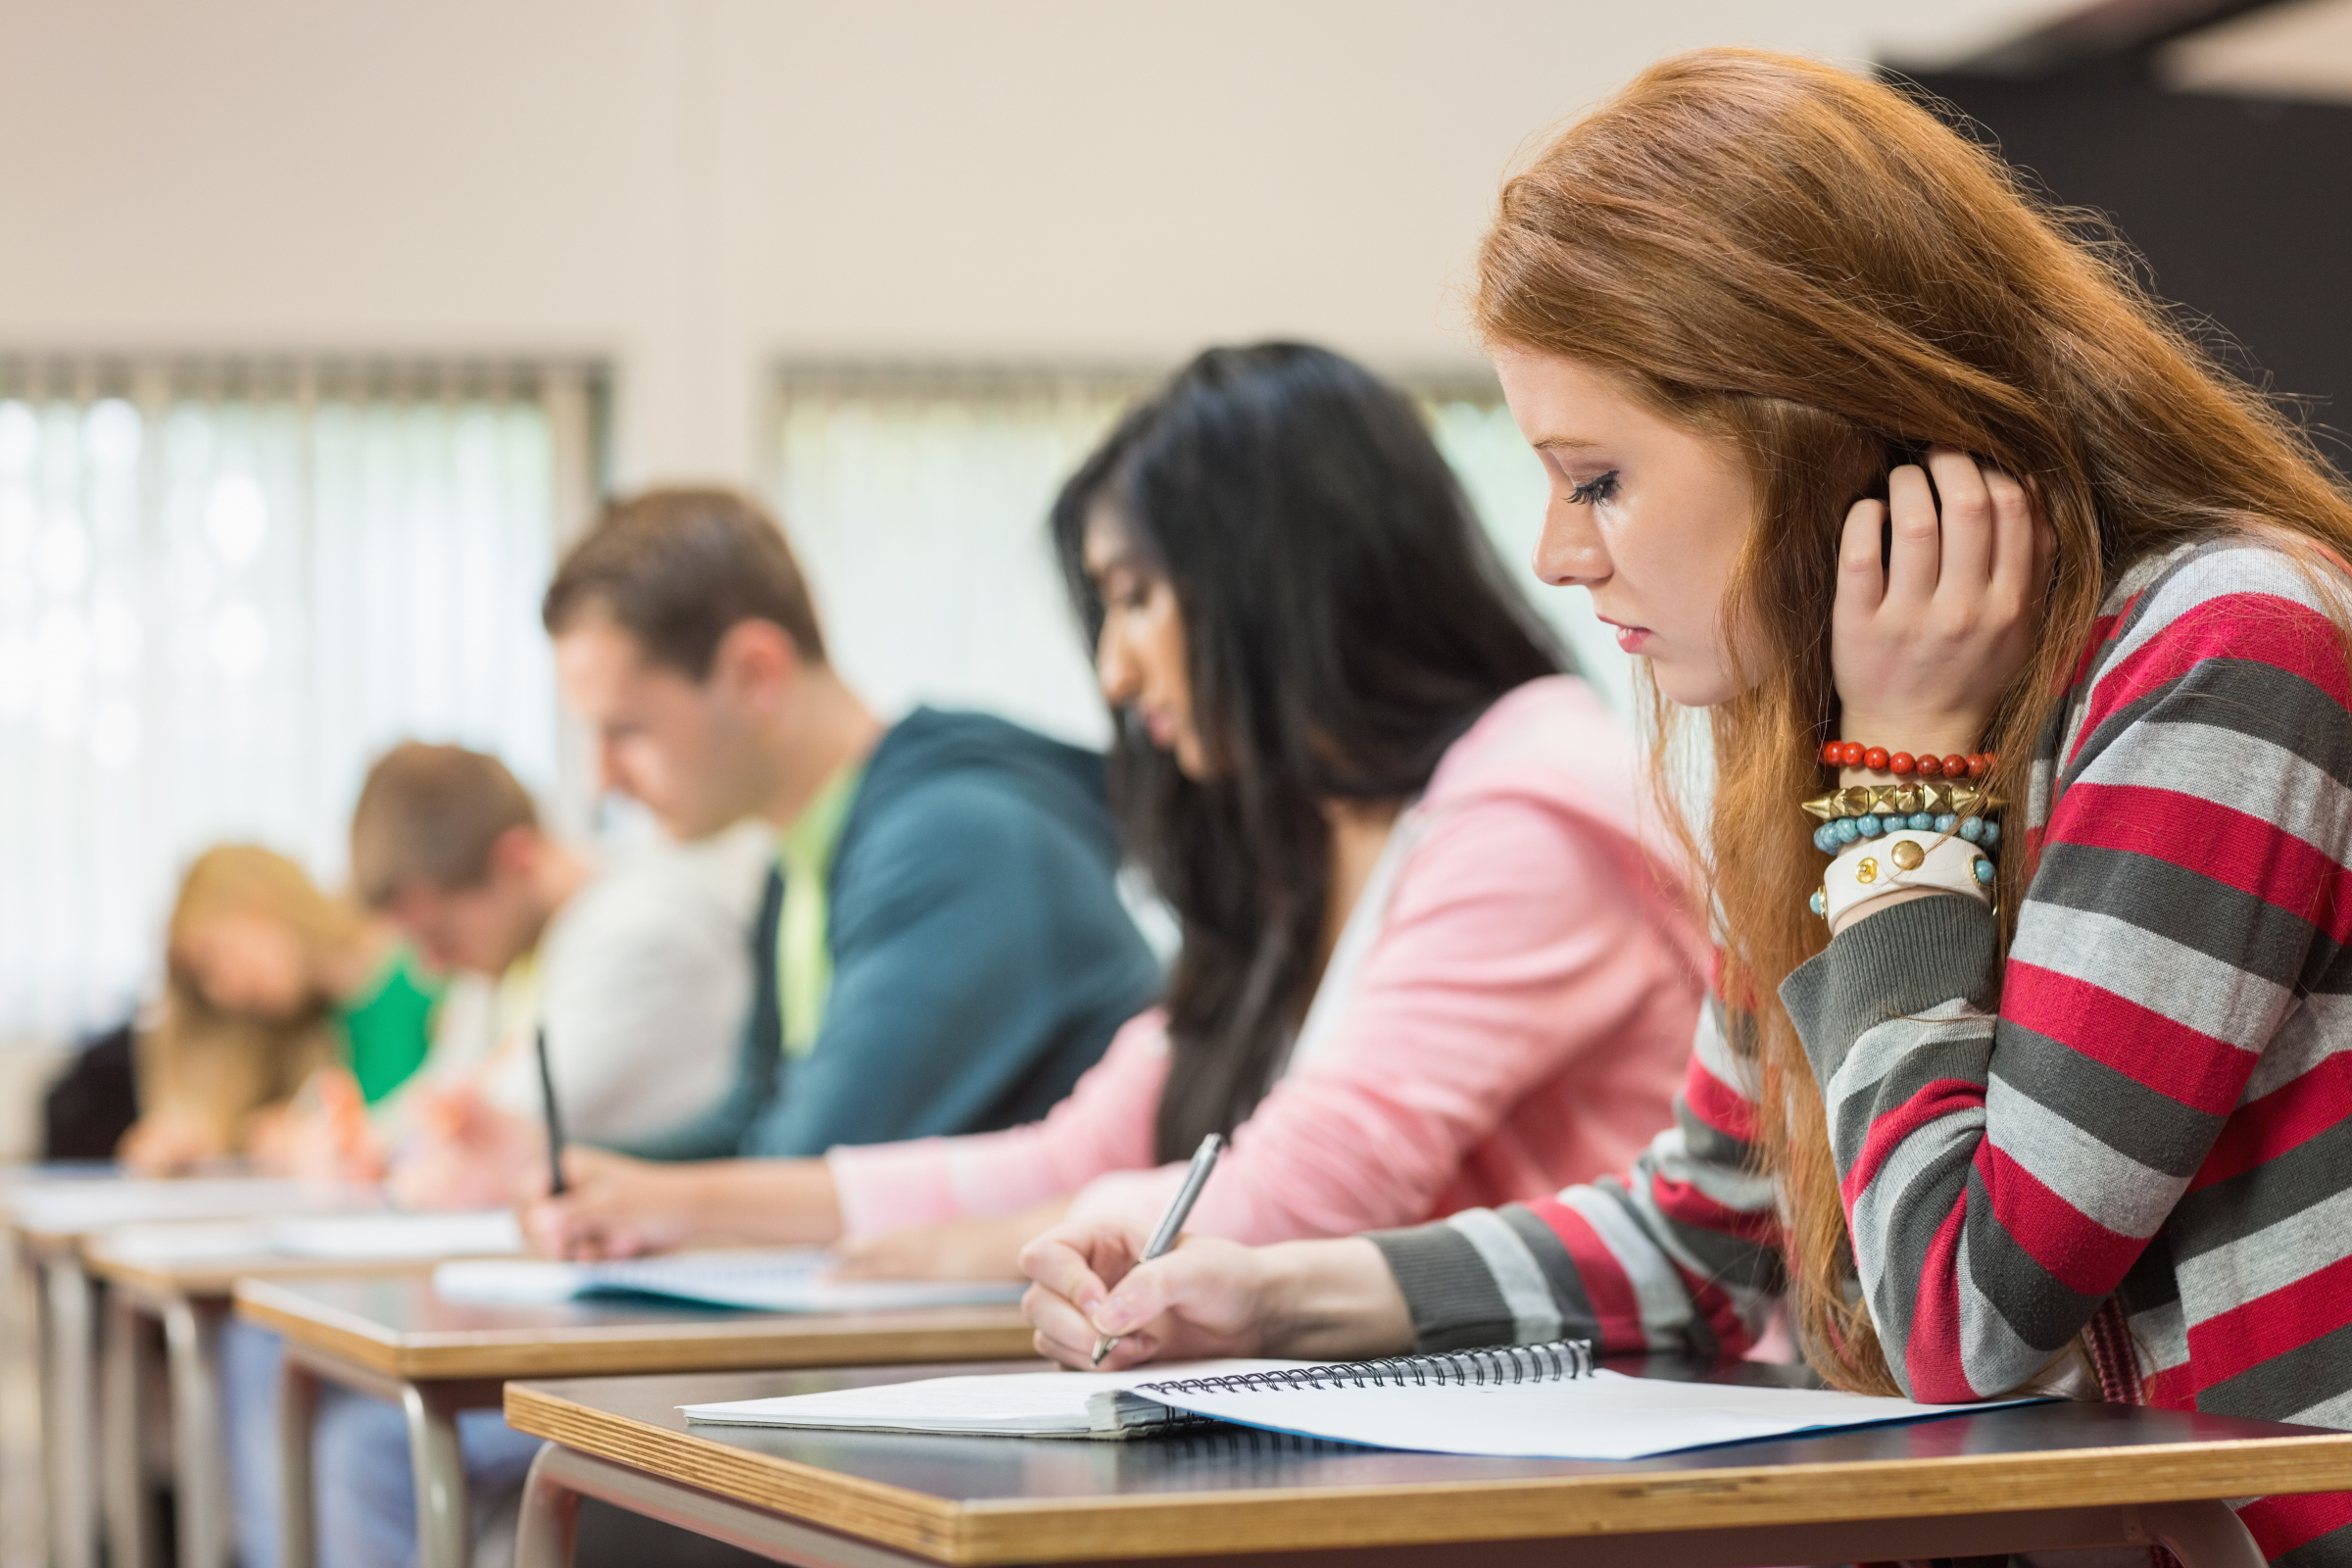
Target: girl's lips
x,y
1632,638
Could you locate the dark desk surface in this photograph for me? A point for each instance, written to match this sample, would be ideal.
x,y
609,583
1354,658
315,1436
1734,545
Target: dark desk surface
x,y
976,1500
398,1327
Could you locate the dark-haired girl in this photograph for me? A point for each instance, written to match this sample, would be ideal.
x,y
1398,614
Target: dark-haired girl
x,y
1428,958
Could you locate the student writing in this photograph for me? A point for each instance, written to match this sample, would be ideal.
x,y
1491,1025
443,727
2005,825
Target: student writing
x,y
1430,958
270,986
2082,1126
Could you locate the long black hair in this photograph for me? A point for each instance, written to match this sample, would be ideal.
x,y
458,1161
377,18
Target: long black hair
x,y
1345,621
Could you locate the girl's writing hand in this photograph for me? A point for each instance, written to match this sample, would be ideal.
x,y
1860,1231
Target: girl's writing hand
x,y
1203,1298
1925,645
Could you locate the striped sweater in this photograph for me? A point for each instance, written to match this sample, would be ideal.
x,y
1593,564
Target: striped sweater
x,y
2147,1150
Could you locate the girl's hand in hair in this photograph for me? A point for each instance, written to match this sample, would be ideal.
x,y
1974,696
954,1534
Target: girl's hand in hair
x,y
1925,641
1207,1298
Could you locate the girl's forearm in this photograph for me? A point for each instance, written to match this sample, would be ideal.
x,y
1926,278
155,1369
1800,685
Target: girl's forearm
x,y
1332,1300
790,1202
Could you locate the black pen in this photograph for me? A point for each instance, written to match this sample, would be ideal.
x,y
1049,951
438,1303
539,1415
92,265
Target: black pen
x,y
555,1122
1171,1224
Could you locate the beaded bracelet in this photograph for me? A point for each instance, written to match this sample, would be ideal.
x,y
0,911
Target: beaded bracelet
x,y
1833,836
1902,764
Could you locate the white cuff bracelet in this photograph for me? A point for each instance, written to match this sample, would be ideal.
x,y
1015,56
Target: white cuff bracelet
x,y
1871,868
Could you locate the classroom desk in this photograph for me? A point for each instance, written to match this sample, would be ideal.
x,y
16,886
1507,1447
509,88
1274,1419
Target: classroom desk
x,y
186,1297
2031,1476
395,1338
50,1221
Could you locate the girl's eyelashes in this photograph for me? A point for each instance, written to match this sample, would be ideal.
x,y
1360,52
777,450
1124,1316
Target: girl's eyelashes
x,y
1601,487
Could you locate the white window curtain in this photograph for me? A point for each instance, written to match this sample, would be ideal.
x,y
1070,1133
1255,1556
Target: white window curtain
x,y
917,500
224,589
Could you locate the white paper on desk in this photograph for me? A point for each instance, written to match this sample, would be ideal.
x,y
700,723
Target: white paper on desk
x,y
1606,1415
772,1280
1020,1404
397,1237
93,1206
195,1241
342,1239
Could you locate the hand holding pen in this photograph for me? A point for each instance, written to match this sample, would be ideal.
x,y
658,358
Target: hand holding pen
x,y
1171,1224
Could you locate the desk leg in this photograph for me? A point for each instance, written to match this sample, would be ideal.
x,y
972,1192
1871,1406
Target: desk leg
x,y
443,1522
2203,1534
197,1436
68,1421
297,1413
561,1477
130,1537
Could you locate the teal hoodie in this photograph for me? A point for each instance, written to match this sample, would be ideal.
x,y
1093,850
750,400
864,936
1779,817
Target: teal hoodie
x,y
982,957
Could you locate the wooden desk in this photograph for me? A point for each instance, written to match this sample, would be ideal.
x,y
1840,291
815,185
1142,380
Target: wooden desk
x,y
2035,1477
186,1297
49,1220
396,1339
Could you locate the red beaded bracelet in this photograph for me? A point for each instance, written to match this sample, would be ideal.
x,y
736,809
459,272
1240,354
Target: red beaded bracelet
x,y
1879,759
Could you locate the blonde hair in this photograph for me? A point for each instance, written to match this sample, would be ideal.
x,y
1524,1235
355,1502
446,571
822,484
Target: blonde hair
x,y
1809,266
206,1063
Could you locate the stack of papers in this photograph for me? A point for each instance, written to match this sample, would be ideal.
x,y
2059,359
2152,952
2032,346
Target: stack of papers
x,y
770,1280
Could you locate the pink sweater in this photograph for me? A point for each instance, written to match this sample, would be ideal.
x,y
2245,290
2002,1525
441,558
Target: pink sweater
x,y
1507,1014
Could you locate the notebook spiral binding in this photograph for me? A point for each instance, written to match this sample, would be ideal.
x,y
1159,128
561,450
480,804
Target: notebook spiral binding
x,y
1552,1362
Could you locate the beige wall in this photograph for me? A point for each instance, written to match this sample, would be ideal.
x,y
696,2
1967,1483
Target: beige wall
x,y
695,187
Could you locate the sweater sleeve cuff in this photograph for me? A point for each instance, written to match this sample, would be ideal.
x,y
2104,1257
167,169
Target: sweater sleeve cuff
x,y
1900,963
1454,1303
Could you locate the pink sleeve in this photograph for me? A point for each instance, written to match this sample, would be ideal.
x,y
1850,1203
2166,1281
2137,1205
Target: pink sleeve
x,y
1513,947
1106,1123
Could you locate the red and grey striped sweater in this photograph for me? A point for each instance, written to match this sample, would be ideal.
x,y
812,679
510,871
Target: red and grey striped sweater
x,y
2147,1149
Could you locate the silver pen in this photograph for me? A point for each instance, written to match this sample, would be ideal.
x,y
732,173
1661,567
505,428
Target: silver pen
x,y
1171,1224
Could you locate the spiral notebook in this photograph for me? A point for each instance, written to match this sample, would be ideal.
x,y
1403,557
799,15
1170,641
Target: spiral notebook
x,y
1521,1402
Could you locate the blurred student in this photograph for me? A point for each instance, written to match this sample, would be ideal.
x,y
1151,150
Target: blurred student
x,y
952,951
952,948
1428,962
268,982
640,971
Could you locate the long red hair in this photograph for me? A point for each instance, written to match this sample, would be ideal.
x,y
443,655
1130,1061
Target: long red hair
x,y
1809,264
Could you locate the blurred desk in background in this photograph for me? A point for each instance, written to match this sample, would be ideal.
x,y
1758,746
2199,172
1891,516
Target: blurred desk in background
x,y
180,1278
50,1218
397,1340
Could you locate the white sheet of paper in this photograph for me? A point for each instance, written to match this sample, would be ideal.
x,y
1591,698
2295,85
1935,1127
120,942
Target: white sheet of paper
x,y
1604,1416
187,1240
1012,1404
483,1233
92,1205
774,1279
